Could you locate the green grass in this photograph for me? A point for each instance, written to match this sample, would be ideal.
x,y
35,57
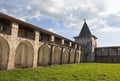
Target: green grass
x,y
69,72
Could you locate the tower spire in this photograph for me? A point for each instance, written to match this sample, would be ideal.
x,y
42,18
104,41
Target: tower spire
x,y
87,42
85,31
84,20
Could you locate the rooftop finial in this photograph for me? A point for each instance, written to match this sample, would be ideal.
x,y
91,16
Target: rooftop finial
x,y
84,20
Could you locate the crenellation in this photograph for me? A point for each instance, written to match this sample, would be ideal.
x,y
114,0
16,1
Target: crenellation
x,y
63,41
75,46
107,54
70,44
52,38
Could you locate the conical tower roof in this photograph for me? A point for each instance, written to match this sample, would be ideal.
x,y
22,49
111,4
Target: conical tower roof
x,y
85,31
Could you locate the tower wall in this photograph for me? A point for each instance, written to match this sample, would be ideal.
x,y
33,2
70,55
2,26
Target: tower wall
x,y
88,43
88,48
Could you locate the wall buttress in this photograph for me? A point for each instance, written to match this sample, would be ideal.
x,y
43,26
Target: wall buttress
x,y
12,43
36,48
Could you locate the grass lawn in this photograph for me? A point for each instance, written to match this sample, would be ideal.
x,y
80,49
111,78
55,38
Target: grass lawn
x,y
68,72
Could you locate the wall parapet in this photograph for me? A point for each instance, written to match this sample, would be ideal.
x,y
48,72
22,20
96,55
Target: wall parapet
x,y
107,54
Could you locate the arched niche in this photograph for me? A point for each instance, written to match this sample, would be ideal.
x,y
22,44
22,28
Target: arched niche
x,y
65,56
4,53
43,55
56,57
72,56
24,55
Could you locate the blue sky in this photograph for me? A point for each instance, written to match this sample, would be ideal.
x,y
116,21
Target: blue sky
x,y
65,17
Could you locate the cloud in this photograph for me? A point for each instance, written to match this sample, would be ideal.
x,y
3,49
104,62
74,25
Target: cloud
x,y
110,29
101,15
20,9
52,30
113,20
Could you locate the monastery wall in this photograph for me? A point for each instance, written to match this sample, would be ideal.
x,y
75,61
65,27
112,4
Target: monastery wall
x,y
107,54
23,45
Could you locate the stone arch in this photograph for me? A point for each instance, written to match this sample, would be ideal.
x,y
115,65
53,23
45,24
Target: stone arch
x,y
43,55
56,57
4,53
72,56
65,57
24,55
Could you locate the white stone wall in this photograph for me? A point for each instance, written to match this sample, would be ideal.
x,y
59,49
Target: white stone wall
x,y
88,48
29,56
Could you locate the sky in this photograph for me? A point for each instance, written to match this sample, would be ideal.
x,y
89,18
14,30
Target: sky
x,y
65,17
